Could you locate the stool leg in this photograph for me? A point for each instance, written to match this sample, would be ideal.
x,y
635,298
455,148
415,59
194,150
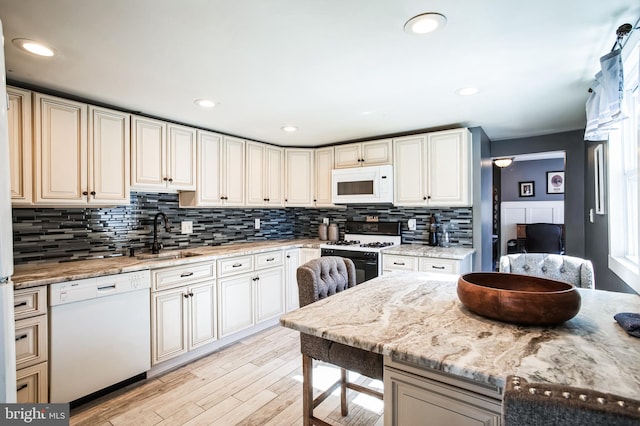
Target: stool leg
x,y
307,390
344,408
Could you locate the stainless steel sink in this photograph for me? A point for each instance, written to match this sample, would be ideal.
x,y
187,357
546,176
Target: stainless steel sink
x,y
166,255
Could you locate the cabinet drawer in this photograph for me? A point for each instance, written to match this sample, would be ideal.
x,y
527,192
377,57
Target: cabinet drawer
x,y
181,275
445,266
29,302
267,260
31,341
392,262
32,384
235,265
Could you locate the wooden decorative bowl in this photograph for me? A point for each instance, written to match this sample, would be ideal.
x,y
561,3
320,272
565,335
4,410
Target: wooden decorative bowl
x,y
518,299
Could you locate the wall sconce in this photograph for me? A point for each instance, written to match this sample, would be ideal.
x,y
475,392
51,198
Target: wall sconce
x,y
503,162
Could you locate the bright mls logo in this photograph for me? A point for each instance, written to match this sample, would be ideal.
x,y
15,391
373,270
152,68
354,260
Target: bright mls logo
x,y
34,414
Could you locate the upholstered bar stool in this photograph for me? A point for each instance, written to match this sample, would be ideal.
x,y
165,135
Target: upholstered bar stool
x,y
528,404
317,279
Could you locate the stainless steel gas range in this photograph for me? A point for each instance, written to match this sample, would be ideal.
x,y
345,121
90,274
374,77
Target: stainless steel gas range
x,y
363,242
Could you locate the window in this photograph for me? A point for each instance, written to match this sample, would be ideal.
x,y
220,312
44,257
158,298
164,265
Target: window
x,y
624,177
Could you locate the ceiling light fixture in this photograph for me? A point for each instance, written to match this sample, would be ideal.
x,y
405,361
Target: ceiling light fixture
x,y
289,129
467,91
32,46
425,23
503,162
205,103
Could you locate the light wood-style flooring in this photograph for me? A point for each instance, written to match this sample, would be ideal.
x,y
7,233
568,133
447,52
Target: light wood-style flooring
x,y
256,381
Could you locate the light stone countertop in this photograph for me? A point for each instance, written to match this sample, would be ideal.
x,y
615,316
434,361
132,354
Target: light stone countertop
x,y
421,250
33,275
417,318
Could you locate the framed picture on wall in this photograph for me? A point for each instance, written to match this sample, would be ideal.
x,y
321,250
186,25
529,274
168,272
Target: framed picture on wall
x,y
527,189
555,182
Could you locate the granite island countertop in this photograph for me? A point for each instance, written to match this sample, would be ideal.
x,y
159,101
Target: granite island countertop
x,y
417,318
421,250
33,275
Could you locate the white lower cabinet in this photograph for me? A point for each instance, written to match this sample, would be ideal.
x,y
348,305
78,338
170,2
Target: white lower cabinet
x,y
183,312
412,395
396,262
291,263
307,254
31,336
252,290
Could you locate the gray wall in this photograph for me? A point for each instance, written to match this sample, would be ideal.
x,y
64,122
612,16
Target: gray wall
x,y
482,200
526,171
597,233
573,145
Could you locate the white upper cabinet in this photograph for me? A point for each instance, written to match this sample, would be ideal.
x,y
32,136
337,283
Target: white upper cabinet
x,y
433,169
299,177
160,162
220,172
20,146
370,153
324,165
109,161
264,175
60,150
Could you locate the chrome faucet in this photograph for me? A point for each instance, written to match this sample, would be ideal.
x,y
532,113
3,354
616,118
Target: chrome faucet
x,y
156,246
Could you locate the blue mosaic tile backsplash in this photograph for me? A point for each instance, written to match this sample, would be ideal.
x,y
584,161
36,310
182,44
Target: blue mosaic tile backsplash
x,y
64,234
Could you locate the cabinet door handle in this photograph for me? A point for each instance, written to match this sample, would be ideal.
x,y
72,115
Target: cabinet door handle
x,y
271,259
288,256
236,265
399,263
186,274
190,294
424,198
85,193
437,267
22,336
185,295
22,386
165,179
93,193
19,304
170,180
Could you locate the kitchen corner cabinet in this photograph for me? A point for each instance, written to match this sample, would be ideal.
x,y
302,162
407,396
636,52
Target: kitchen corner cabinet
x,y
20,146
251,290
220,172
299,177
291,263
413,395
30,306
323,166
265,175
370,153
183,310
163,156
433,169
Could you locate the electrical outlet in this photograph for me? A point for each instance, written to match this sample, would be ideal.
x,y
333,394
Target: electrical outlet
x,y
256,224
325,220
412,224
187,227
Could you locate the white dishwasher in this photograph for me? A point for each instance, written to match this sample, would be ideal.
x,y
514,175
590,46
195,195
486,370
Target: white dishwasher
x,y
99,333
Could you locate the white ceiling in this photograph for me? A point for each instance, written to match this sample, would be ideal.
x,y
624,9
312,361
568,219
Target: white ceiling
x,y
338,69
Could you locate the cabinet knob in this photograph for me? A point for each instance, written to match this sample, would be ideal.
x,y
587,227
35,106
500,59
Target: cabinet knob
x,y
190,294
424,198
93,193
288,256
170,180
165,179
85,193
185,295
286,200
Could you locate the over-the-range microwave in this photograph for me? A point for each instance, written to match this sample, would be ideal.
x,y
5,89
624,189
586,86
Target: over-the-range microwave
x,y
362,185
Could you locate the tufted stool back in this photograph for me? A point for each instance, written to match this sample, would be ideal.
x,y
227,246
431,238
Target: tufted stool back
x,y
323,277
527,403
572,270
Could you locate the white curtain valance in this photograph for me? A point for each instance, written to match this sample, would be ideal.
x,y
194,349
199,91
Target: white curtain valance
x,y
604,106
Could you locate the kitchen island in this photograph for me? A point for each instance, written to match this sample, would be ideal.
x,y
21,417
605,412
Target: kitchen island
x,y
416,320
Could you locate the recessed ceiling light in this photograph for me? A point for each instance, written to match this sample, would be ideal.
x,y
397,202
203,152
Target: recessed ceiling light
x,y
467,91
205,103
425,23
289,129
32,46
